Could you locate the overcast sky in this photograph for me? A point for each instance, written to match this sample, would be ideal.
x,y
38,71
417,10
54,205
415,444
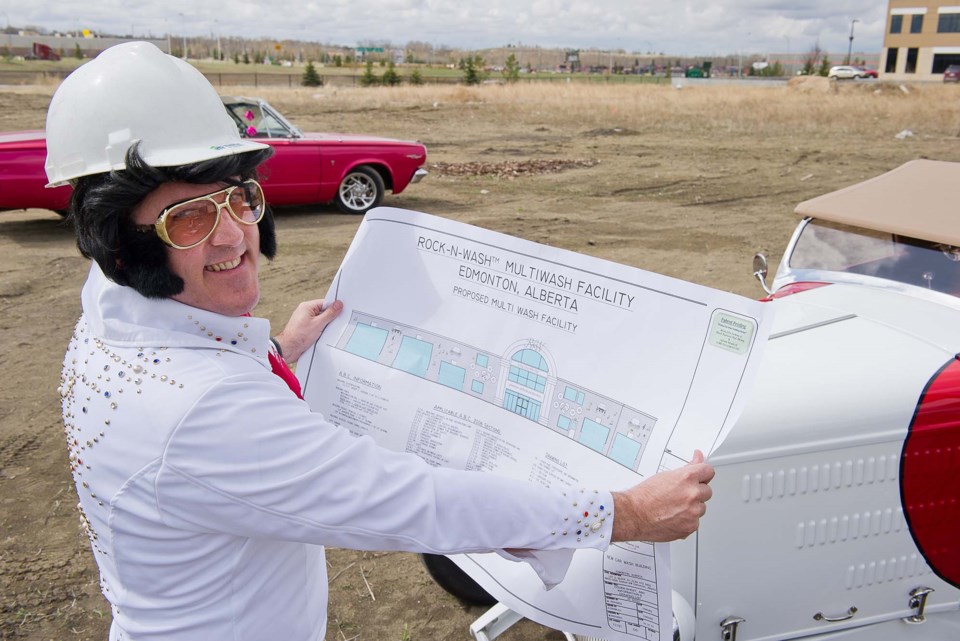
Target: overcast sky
x,y
695,27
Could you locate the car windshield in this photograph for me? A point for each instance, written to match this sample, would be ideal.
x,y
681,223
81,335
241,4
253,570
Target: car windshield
x,y
256,122
825,246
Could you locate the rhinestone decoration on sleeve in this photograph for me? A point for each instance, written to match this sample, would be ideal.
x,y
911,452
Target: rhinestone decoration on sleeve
x,y
586,522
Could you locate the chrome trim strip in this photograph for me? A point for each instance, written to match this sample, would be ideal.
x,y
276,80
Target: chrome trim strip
x,y
797,330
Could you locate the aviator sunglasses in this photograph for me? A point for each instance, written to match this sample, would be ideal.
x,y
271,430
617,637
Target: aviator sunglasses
x,y
187,224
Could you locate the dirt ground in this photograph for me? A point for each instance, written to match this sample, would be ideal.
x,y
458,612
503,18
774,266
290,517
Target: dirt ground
x,y
685,192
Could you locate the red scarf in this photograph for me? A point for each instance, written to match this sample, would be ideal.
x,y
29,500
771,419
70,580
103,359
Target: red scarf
x,y
281,369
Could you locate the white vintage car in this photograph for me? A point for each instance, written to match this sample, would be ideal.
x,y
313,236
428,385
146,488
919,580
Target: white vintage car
x,y
836,507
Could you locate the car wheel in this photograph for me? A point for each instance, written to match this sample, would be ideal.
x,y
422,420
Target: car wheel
x,y
455,581
360,190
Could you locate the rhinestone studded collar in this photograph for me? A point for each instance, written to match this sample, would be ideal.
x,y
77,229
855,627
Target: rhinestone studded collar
x,y
121,316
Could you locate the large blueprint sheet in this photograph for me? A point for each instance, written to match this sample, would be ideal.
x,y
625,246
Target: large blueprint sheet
x,y
481,351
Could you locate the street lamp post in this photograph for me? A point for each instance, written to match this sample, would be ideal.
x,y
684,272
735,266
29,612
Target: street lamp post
x,y
9,37
788,67
740,59
183,22
850,46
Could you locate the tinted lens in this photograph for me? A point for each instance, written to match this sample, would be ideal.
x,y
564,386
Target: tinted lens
x,y
246,202
189,223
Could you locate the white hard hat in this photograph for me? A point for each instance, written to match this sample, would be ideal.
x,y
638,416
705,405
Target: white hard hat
x,y
135,92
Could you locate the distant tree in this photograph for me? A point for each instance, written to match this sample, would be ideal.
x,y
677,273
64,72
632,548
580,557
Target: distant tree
x,y
310,76
246,58
390,77
77,53
338,60
258,57
824,66
369,79
473,69
511,69
236,58
812,60
469,71
416,78
409,58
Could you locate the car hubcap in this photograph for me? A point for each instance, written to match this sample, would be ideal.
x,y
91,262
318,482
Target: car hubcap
x,y
358,191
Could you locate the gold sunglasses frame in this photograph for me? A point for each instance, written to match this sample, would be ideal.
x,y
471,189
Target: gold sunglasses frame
x,y
160,227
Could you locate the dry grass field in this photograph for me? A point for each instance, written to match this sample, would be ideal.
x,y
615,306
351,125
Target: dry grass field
x,y
687,181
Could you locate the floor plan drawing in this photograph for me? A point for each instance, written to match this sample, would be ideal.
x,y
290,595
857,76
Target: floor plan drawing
x,y
490,354
523,380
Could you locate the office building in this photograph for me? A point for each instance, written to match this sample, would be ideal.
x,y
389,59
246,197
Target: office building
x,y
922,38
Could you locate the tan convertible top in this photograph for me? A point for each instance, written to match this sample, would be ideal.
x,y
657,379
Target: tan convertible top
x,y
918,199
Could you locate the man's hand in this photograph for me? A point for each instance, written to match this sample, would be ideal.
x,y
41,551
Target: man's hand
x,y
666,506
305,326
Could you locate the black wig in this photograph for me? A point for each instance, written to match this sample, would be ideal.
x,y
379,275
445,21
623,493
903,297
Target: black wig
x,y
101,209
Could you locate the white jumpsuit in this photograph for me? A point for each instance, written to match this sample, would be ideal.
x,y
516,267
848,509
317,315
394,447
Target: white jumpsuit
x,y
208,488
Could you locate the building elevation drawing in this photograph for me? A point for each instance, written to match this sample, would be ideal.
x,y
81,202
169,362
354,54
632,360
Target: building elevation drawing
x,y
523,380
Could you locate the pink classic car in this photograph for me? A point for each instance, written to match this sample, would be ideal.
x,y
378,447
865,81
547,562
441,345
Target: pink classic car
x,y
352,171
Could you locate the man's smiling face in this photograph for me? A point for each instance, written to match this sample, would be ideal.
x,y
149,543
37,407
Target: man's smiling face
x,y
219,274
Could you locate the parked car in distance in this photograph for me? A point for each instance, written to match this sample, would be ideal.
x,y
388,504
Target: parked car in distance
x,y
352,171
846,72
834,514
868,73
952,74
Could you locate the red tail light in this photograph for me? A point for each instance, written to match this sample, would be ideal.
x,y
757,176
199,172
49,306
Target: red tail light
x,y
930,474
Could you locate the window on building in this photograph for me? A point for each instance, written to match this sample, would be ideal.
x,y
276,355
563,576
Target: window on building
x,y
943,60
916,23
949,23
896,24
911,62
891,66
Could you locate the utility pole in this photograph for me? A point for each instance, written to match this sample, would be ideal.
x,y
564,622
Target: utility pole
x,y
850,46
183,23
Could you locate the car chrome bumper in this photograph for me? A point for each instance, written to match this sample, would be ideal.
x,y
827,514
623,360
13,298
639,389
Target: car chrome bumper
x,y
418,175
